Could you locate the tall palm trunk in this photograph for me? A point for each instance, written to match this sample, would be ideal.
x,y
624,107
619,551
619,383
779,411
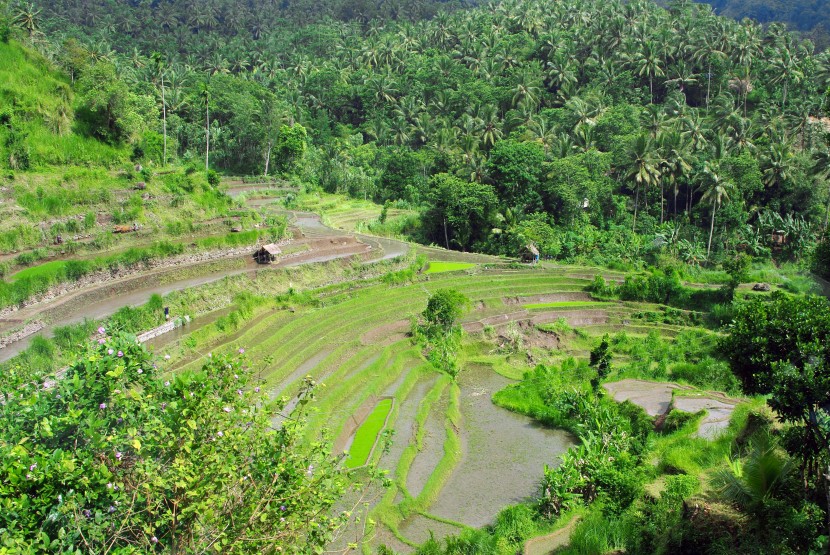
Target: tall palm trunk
x,y
711,229
164,121
662,200
268,157
636,203
708,85
207,136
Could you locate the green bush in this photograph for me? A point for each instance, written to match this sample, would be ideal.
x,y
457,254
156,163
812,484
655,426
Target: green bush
x,y
821,257
212,178
677,419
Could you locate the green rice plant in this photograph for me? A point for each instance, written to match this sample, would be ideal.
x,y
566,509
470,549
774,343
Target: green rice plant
x,y
367,434
441,267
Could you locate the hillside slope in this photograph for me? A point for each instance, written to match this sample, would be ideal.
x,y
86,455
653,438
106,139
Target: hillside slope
x,y
64,190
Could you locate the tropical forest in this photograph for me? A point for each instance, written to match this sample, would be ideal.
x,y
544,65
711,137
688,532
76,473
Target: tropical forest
x,y
430,277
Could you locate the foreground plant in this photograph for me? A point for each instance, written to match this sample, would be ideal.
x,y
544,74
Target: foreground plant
x,y
117,457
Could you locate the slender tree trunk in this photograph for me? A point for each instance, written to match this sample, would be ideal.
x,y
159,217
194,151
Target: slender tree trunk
x,y
268,157
711,230
207,137
636,202
708,85
164,121
446,237
784,98
676,191
662,200
827,215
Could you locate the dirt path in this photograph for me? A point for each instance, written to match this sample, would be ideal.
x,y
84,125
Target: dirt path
x,y
546,545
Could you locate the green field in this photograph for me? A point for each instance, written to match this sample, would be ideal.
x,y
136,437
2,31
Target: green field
x,y
367,434
441,267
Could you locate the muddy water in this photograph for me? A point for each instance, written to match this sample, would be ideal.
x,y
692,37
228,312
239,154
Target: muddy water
x,y
503,454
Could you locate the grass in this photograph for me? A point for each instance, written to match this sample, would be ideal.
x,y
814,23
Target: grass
x,y
367,434
441,267
569,304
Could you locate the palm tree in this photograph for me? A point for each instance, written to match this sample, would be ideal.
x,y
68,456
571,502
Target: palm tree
x,y
716,190
489,123
643,167
821,173
27,18
778,164
649,62
682,76
527,88
710,49
159,68
677,162
204,94
786,69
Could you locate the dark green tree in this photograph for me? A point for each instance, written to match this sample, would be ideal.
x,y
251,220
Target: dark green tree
x,y
601,362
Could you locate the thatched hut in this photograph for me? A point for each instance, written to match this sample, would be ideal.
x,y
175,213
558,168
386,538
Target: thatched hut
x,y
267,254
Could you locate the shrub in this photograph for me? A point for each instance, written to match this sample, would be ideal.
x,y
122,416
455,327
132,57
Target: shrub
x,y
115,469
677,419
212,178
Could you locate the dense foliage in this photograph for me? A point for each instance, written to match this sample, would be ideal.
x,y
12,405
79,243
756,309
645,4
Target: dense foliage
x,y
781,348
117,456
599,131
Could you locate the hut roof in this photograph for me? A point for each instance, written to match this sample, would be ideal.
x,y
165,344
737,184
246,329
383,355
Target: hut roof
x,y
532,249
272,249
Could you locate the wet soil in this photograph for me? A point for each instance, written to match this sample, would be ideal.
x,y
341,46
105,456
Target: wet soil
x,y
718,413
653,397
432,447
404,425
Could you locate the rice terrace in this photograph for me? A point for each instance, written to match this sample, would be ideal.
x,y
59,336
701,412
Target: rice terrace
x,y
445,277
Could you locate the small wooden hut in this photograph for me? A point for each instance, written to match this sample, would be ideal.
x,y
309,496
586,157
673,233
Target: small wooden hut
x,y
778,240
267,254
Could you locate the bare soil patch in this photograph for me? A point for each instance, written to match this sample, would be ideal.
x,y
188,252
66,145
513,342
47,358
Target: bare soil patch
x,y
654,397
376,335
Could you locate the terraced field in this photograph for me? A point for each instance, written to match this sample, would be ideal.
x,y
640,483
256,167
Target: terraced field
x,y
455,458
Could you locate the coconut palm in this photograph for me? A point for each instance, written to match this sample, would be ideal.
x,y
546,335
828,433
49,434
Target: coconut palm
x,y
715,191
159,67
204,96
677,157
27,18
642,166
648,62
